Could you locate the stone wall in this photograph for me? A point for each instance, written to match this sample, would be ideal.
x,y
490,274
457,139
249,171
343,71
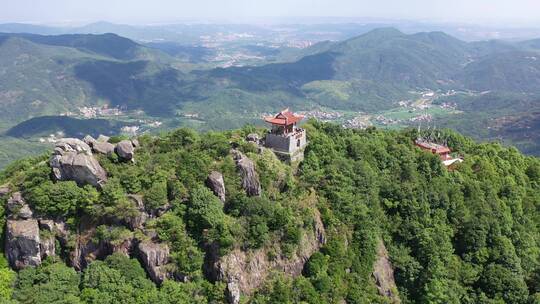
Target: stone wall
x,y
289,144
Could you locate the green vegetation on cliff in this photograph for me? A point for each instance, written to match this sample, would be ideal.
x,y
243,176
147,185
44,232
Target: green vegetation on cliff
x,y
465,236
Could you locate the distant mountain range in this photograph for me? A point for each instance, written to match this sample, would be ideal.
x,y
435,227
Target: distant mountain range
x,y
44,75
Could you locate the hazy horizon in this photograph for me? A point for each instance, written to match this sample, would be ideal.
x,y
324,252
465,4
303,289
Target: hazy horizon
x,y
480,12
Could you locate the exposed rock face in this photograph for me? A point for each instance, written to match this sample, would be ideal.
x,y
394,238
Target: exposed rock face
x,y
72,159
103,148
135,142
83,254
89,140
124,247
125,150
383,273
102,138
99,145
23,243
4,190
154,257
253,137
243,272
61,231
18,208
47,247
47,243
250,178
138,221
233,293
46,225
215,182
86,249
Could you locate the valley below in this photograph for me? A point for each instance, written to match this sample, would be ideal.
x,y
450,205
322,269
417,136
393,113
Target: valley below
x,y
94,82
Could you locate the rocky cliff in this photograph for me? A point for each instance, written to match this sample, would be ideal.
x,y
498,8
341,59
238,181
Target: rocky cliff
x,y
245,271
250,177
72,159
30,237
383,273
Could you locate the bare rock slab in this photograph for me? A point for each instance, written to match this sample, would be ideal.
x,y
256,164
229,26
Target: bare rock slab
x,y
4,190
103,148
22,243
125,150
250,178
47,247
18,208
72,159
383,272
154,257
245,271
215,182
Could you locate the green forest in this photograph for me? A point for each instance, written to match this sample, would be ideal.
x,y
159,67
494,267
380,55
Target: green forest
x,y
469,235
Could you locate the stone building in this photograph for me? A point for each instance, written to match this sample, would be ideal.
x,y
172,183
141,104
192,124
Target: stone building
x,y
285,138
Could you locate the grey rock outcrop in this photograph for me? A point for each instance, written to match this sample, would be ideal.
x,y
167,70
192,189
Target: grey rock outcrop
x,y
99,145
57,228
88,247
125,150
72,159
137,222
22,243
47,246
250,178
124,247
383,273
102,138
47,242
215,182
4,190
84,245
245,271
62,233
18,208
233,293
253,137
47,225
83,254
154,258
135,142
103,148
89,140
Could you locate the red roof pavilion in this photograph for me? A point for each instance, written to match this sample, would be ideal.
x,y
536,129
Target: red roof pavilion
x,y
284,118
433,147
442,151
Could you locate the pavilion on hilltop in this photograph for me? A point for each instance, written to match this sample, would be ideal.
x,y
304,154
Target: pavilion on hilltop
x,y
285,138
442,151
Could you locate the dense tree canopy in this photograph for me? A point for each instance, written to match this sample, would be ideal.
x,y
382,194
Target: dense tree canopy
x,y
468,235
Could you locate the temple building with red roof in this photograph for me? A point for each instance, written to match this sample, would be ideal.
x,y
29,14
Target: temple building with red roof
x,y
443,152
285,138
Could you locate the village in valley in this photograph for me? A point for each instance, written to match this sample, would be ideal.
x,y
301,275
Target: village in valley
x,y
422,110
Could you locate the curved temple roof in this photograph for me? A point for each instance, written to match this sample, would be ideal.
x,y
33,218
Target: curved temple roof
x,y
284,118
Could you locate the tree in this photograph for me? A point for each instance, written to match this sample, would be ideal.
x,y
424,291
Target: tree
x,y
205,217
185,253
7,280
117,280
60,198
51,282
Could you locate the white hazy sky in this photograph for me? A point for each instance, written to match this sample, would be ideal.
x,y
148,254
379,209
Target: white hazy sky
x,y
148,11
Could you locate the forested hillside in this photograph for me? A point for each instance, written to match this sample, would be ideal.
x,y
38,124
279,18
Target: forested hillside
x,y
186,217
364,77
